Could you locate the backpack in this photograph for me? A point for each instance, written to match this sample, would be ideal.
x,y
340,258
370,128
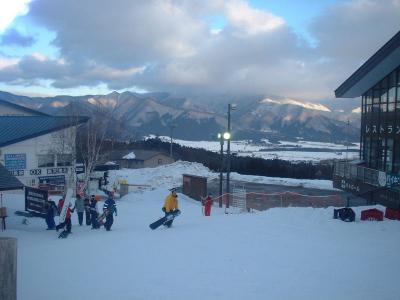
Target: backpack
x,y
346,214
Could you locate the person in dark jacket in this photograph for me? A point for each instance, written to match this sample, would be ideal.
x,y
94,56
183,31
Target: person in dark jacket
x,y
80,208
110,208
50,208
94,213
86,204
67,223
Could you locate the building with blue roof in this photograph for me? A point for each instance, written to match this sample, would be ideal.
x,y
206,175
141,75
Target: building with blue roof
x,y
38,149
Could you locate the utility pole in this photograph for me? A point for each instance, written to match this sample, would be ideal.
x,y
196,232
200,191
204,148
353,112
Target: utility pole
x,y
171,127
347,139
228,152
221,168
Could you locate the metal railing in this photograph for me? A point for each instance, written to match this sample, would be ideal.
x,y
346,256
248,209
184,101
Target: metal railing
x,y
367,175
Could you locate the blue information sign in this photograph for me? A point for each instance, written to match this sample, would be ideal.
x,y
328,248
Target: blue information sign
x,y
15,161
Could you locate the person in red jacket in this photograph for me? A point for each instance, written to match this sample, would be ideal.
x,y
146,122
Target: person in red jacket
x,y
67,222
208,202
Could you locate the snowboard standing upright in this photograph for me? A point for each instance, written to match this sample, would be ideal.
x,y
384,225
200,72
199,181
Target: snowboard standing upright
x,y
165,219
63,213
100,219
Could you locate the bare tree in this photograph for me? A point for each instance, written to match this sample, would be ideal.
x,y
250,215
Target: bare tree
x,y
91,136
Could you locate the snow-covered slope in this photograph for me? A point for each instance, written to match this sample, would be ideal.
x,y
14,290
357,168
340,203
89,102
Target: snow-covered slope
x,y
282,253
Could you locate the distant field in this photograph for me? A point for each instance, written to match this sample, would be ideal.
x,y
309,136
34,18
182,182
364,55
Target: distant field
x,y
284,150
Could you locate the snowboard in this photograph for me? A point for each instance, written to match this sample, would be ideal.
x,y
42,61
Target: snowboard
x,y
100,219
167,218
63,235
67,202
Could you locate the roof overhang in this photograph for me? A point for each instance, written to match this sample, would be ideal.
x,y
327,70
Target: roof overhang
x,y
384,61
8,182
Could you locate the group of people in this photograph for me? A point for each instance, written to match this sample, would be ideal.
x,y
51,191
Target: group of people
x,y
86,206
90,209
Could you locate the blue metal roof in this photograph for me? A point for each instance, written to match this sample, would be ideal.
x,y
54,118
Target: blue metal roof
x,y
7,181
14,129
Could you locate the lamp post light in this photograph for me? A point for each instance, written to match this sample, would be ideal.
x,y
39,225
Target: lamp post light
x,y
221,168
222,136
228,151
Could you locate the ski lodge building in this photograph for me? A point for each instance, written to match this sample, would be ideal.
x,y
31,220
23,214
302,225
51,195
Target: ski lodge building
x,y
376,175
36,148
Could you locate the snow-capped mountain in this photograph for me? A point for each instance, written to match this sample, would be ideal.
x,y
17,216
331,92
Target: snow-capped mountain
x,y
195,118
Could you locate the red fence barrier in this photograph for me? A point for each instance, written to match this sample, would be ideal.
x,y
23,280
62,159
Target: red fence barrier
x,y
263,201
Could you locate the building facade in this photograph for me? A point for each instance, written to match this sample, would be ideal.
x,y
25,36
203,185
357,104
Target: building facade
x,y
376,175
380,123
38,149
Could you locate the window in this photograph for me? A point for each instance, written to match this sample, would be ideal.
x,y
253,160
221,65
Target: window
x,y
389,155
367,150
64,160
396,157
45,160
381,153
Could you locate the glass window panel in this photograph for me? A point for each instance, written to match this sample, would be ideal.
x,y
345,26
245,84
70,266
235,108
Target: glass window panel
x,y
398,94
392,94
374,146
377,95
383,107
64,160
391,106
45,160
369,97
384,96
396,157
389,155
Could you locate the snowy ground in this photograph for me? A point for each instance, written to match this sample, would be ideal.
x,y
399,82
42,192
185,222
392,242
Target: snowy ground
x,y
282,253
246,148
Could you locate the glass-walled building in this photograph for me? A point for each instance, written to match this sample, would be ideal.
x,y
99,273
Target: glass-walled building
x,y
380,125
376,175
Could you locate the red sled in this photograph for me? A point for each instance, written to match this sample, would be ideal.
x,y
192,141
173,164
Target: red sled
x,y
392,213
372,215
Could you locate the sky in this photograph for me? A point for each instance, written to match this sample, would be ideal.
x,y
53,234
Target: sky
x,y
301,49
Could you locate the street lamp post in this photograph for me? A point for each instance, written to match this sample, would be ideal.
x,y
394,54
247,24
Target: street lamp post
x,y
221,168
228,152
171,126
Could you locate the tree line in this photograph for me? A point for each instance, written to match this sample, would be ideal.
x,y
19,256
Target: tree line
x,y
242,165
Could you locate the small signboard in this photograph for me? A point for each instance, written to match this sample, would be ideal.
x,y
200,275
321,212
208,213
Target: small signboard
x,y
16,161
80,168
35,199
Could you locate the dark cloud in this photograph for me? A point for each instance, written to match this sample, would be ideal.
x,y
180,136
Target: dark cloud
x,y
167,45
12,37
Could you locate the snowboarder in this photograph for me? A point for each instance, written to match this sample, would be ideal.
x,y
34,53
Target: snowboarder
x,y
80,208
50,210
208,202
170,206
86,203
94,213
67,222
111,208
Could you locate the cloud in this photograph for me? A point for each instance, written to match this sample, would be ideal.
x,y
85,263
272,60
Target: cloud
x,y
167,45
252,21
12,37
9,9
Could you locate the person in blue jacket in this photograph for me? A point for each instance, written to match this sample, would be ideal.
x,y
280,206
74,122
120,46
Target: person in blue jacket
x,y
111,208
